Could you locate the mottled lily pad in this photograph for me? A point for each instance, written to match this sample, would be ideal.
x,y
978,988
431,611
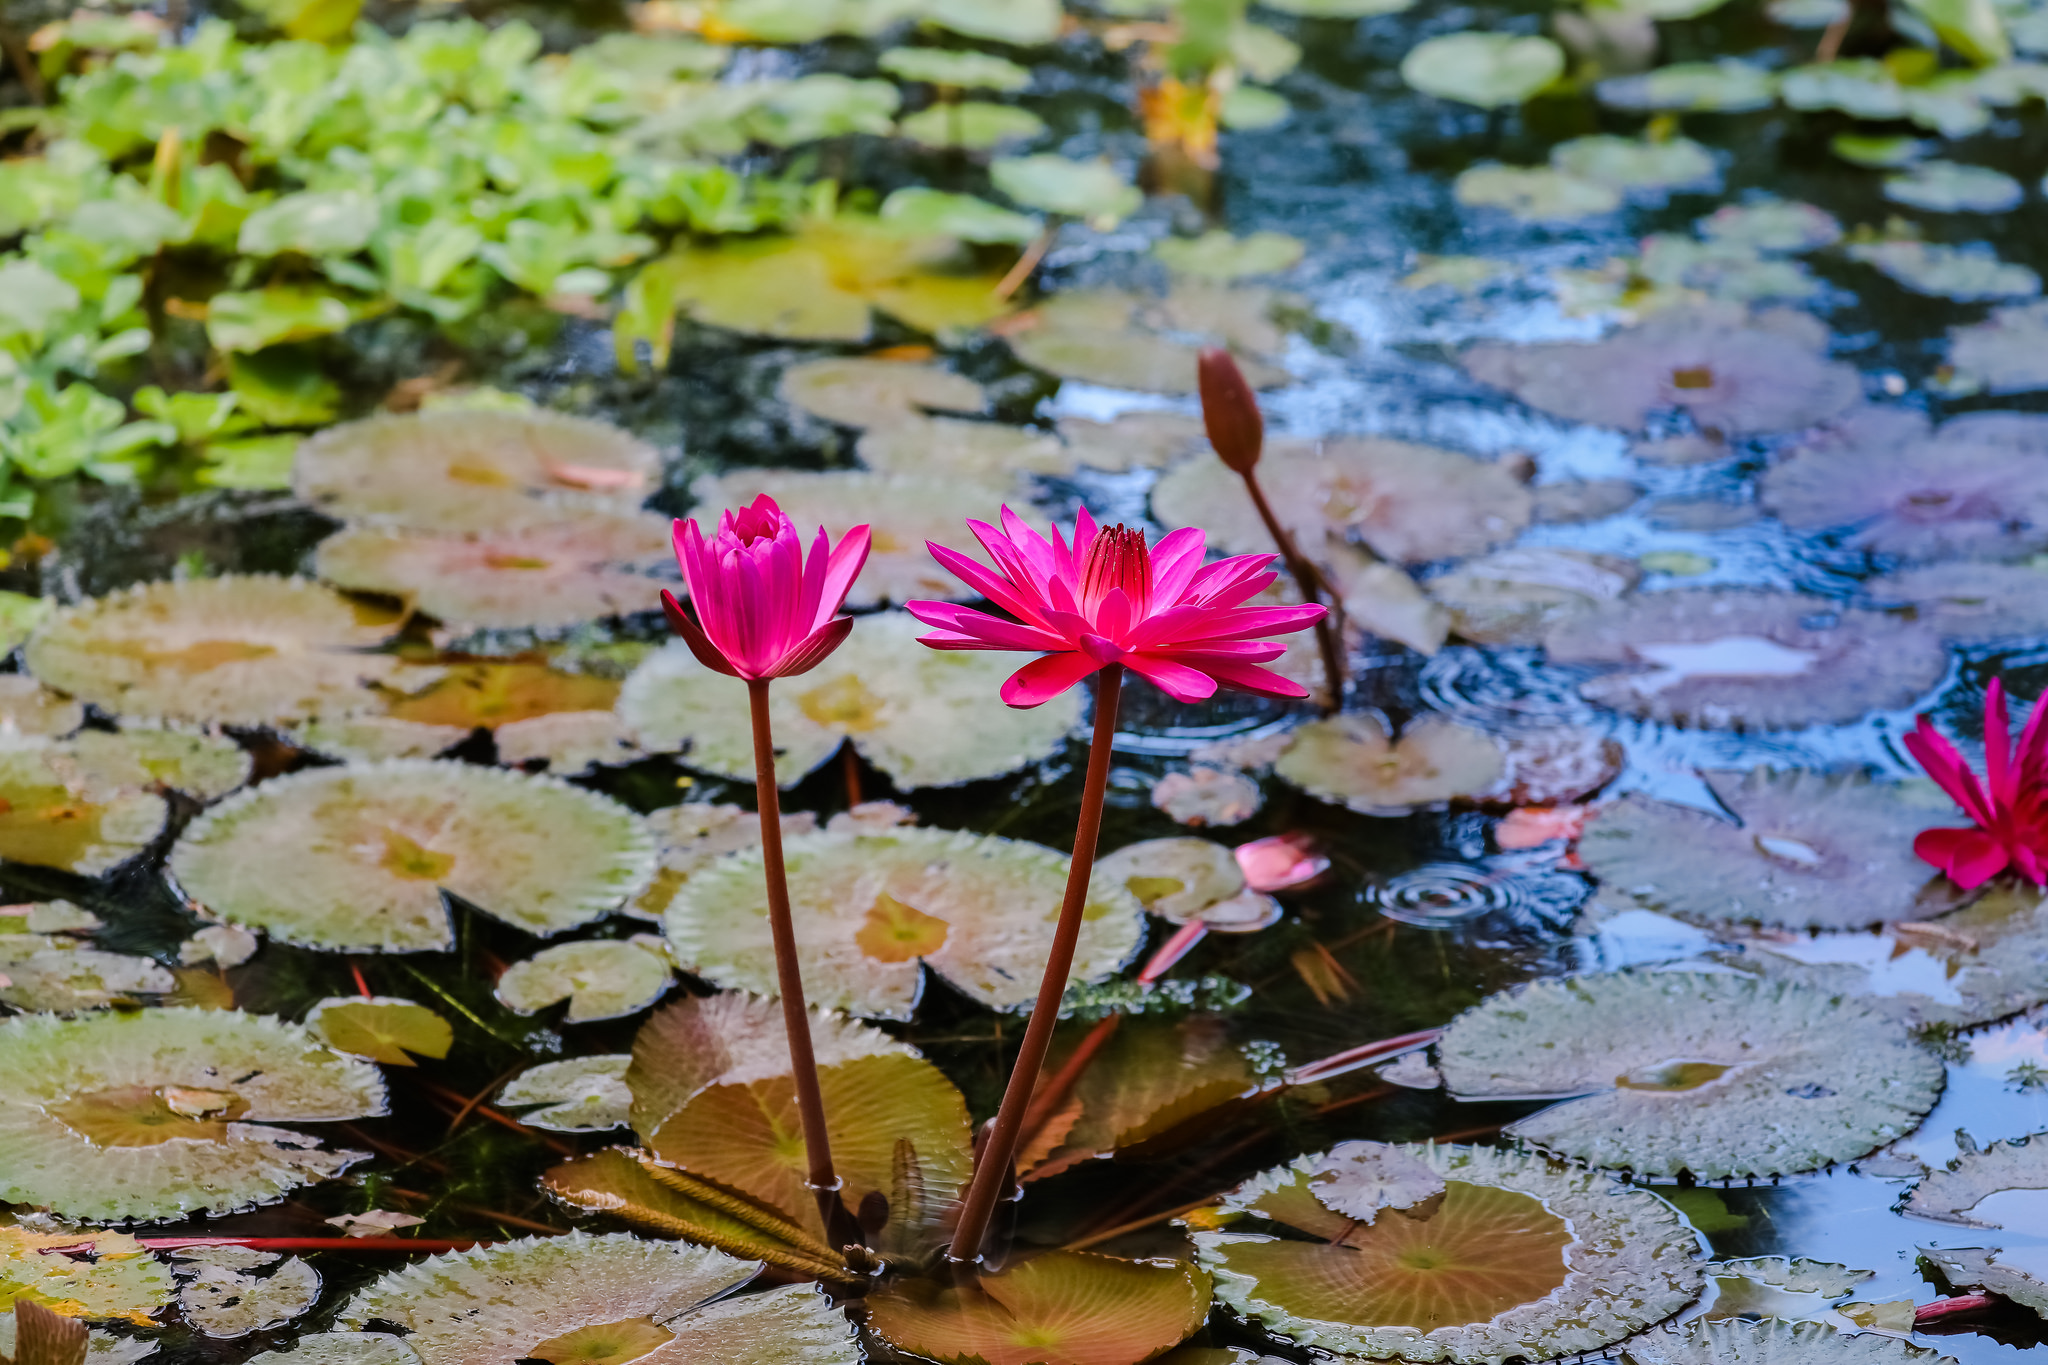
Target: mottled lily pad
x,y
1747,660
240,650
382,1028
1770,373
1969,273
1535,193
871,910
927,718
1969,602
581,1095
1486,69
109,1276
1353,760
1773,1342
690,837
1129,341
1188,881
1967,1191
600,978
599,1299
1812,851
1716,1075
1512,597
163,1112
226,1301
1727,85
473,470
1519,1256
357,858
67,980
2005,353
30,711
56,812
1951,187
866,392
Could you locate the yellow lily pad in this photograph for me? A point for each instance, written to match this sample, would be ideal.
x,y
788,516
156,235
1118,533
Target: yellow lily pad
x,y
56,812
102,1276
381,1028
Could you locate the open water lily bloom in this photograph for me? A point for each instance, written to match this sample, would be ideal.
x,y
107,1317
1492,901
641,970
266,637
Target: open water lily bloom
x,y
1111,599
764,610
2010,807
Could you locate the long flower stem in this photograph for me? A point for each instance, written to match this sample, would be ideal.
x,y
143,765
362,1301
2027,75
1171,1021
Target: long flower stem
x,y
796,1016
1310,580
992,1166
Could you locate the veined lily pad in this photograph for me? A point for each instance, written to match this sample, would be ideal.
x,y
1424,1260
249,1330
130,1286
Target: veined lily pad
x,y
162,1112
926,717
1812,851
2005,353
1969,1191
1512,597
225,1301
1353,760
871,908
56,812
588,1299
381,1028
535,577
1486,69
600,978
66,980
357,858
1742,659
30,711
1129,341
1718,1075
1520,1256
108,1277
582,1095
866,392
238,650
1771,1342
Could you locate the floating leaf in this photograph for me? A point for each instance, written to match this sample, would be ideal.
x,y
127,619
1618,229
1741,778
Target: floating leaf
x,y
20,615
1207,796
600,978
973,124
472,470
2006,353
1968,1191
1217,255
1177,879
1354,761
30,711
871,908
1486,69
962,70
311,222
927,718
270,317
101,1276
56,812
1512,597
1133,440
1727,85
581,1095
1520,1256
1799,1290
1054,1308
863,392
341,1348
381,1028
1975,1268
1772,225
1968,274
1128,341
158,1113
1736,658
1969,602
1680,1071
206,767
225,1302
236,650
357,858
1770,1342
1950,187
693,836
1093,191
916,210
1535,193
1811,851
950,450
1632,164
535,577
67,980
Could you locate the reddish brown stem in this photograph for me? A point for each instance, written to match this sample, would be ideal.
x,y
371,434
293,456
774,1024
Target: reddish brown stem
x,y
1172,951
1028,262
850,763
1309,579
1351,1058
1001,1148
796,1017
1051,1096
1948,1308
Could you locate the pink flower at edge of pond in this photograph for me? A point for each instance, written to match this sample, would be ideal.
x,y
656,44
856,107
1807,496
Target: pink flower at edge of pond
x,y
2007,807
1108,600
763,609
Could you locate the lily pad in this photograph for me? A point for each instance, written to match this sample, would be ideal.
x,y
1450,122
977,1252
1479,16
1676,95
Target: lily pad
x,y
600,978
2005,353
56,812
1736,658
30,711
357,858
158,1113
206,767
1968,1191
691,837
535,577
1354,761
1770,373
950,450
238,650
1772,225
865,392
1220,256
1205,795
1093,191
1727,85
1512,597
1771,1341
102,1276
1811,851
917,210
1518,1256
381,1028
1969,602
927,718
67,980
1795,1290
1130,341
588,1299
872,910
1486,69
1189,881
973,124
1716,1075
1951,187
1133,440
1633,164
1969,273
226,1302
581,1095
962,70
1535,193
473,470
1976,1268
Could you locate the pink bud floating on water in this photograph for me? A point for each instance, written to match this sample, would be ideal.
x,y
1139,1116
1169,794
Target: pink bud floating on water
x,y
2010,807
1281,862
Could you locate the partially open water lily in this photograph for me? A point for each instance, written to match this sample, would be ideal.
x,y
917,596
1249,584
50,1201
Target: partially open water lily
x,y
2009,830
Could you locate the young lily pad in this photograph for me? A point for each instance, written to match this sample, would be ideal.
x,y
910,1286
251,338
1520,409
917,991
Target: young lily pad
x,y
926,717
381,1028
1768,374
473,470
1093,191
1741,659
56,812
1486,69
2005,353
1772,225
864,392
1951,187
28,710
1408,503
871,910
1632,164
1054,1308
1716,1075
533,578
600,978
581,1095
238,650
157,1113
1511,597
1517,1256
1205,795
582,1300
225,1301
1968,274
1129,341
1535,193
919,211
1771,1341
67,980
1811,851
1176,879
1353,760
357,858
108,1277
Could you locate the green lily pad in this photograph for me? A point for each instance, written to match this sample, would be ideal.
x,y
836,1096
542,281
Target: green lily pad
x,y
68,980
239,650
225,1301
2004,354
158,1113
1535,193
1878,153
1128,341
1811,851
963,70
381,1028
1218,255
691,837
1338,9
471,470
1950,187
1772,225
1179,879
581,1095
600,978
59,809
110,1277
19,616
1635,164
1727,85
357,858
207,767
927,718
873,910
1486,69
1761,1343
1718,1075
973,124
1353,760
1093,191
1967,274
865,392
918,211
1517,1256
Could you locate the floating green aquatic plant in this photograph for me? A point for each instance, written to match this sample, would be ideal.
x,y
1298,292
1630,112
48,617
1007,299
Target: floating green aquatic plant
x,y
28,710
1770,1341
224,1300
866,392
1486,69
1353,760
67,980
600,978
382,1028
103,1276
55,812
1189,881
1512,597
581,1095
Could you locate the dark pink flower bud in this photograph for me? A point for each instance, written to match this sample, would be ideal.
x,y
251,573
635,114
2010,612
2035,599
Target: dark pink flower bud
x,y
1230,410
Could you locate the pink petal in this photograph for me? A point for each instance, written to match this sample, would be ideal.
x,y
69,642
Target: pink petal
x,y
988,632
1969,856
813,650
1176,680
2033,749
1003,591
1252,678
1998,772
707,653
1176,559
1043,679
1946,767
849,557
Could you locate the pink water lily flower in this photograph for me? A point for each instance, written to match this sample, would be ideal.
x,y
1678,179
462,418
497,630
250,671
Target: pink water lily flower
x,y
1109,599
2010,807
766,610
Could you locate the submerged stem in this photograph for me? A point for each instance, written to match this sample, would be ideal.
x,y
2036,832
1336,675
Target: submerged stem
x,y
993,1162
1312,584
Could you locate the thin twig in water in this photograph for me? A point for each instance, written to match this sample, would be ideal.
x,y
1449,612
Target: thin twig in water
x,y
1028,262
1095,1238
